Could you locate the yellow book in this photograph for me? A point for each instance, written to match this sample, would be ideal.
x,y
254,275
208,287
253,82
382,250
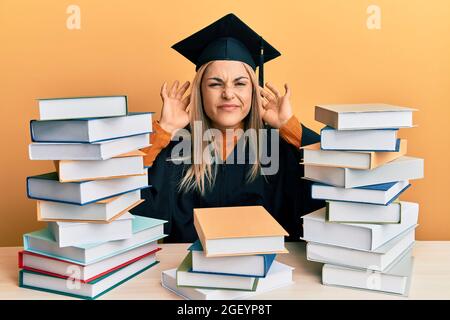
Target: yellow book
x,y
233,231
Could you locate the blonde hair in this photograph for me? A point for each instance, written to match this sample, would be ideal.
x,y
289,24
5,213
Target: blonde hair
x,y
203,173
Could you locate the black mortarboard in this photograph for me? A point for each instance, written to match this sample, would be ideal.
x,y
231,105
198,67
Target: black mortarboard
x,y
227,39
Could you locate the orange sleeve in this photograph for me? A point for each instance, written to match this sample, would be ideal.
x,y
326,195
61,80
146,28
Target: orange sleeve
x,y
291,131
159,139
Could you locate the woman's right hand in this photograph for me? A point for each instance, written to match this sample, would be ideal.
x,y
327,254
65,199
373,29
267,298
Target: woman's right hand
x,y
174,113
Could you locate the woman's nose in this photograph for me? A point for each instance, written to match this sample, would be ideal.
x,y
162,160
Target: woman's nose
x,y
227,93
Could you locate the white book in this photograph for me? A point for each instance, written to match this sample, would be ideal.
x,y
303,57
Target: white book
x,y
90,290
378,259
396,279
78,233
314,155
353,212
101,211
128,164
356,236
87,151
403,168
369,140
82,107
86,273
279,275
375,194
145,230
90,130
47,187
364,116
187,278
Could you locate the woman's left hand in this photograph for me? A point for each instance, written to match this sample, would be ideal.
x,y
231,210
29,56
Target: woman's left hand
x,y
276,109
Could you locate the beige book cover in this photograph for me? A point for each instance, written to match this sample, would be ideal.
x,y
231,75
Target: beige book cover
x,y
235,222
377,158
118,215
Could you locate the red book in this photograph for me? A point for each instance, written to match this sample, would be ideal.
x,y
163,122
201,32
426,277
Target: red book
x,y
84,273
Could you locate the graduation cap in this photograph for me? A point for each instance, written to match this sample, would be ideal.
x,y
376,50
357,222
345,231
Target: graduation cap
x,y
228,38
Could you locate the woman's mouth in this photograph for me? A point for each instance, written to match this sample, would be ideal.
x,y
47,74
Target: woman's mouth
x,y
228,107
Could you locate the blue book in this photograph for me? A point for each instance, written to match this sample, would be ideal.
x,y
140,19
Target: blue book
x,y
381,194
250,266
145,230
91,130
47,187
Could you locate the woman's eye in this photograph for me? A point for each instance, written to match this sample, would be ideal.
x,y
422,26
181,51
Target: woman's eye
x,y
241,84
214,84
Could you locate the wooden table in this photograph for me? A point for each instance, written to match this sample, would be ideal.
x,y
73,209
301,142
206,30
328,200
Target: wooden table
x,y
431,277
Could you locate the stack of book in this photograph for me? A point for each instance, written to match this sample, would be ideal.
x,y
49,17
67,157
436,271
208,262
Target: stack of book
x,y
234,257
364,235
92,243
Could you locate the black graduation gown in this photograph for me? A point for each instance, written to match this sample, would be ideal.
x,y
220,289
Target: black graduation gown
x,y
285,194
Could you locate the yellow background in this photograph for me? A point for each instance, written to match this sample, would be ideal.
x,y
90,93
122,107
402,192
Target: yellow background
x,y
328,56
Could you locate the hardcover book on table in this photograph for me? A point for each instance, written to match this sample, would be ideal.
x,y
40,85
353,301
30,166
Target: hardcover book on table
x,y
145,230
127,164
364,116
256,233
85,290
279,275
356,236
82,107
69,234
103,211
252,266
313,155
91,130
47,187
87,151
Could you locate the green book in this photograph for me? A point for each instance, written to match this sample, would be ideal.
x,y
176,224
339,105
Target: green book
x,y
85,290
187,278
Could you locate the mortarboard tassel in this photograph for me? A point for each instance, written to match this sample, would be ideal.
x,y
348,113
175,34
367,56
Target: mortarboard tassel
x,y
261,64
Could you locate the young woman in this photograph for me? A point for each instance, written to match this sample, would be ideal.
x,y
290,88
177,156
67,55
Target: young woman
x,y
219,146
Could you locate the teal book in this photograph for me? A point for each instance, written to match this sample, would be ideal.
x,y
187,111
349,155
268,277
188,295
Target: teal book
x,y
145,230
90,290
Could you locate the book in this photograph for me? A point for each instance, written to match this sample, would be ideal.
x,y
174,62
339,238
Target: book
x,y
252,266
69,234
85,290
396,279
364,116
82,107
84,273
92,129
127,164
186,278
279,275
87,151
403,168
378,259
145,230
361,140
47,187
313,155
103,211
257,231
353,212
356,236
384,193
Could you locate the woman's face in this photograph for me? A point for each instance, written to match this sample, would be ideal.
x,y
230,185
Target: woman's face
x,y
227,93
